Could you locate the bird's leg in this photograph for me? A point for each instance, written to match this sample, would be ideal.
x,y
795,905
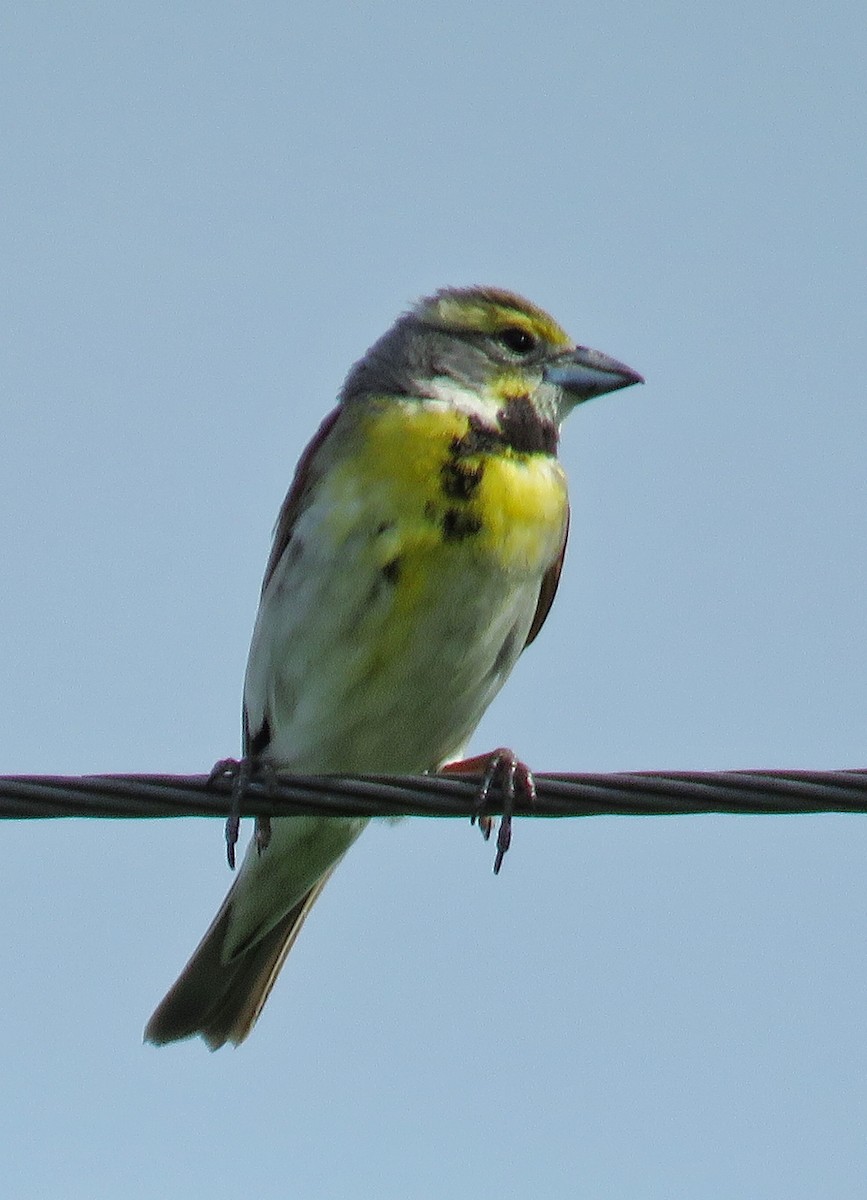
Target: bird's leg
x,y
242,772
515,780
263,823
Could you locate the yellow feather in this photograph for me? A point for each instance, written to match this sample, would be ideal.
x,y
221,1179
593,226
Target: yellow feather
x,y
396,470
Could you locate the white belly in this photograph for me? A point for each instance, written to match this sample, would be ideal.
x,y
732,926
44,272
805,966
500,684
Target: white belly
x,y
359,673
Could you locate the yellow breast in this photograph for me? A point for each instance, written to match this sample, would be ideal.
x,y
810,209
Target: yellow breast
x,y
438,487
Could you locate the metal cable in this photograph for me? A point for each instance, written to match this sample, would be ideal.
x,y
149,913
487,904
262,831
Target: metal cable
x,y
643,793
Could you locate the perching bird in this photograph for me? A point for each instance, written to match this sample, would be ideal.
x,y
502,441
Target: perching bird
x,y
416,555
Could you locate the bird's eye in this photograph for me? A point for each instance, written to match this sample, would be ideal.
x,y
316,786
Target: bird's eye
x,y
518,340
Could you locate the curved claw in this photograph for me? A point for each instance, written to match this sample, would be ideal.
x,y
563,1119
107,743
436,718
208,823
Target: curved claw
x,y
504,769
241,772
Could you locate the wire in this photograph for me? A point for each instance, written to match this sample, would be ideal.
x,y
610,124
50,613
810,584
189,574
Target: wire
x,y
643,793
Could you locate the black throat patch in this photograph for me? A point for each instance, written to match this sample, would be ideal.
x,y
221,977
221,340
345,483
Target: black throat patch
x,y
519,428
524,429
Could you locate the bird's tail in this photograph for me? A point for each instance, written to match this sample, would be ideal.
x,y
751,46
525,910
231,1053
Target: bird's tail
x,y
222,1000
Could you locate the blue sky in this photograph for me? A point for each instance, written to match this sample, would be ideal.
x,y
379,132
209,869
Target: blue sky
x,y
209,213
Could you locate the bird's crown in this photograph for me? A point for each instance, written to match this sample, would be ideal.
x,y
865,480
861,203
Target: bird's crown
x,y
490,311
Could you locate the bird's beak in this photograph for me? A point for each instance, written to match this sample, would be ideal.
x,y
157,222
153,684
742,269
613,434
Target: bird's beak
x,y
585,373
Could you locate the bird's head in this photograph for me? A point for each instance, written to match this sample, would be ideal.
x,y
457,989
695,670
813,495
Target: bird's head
x,y
484,348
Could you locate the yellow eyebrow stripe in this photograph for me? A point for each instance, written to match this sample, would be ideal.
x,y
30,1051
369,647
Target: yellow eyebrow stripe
x,y
491,311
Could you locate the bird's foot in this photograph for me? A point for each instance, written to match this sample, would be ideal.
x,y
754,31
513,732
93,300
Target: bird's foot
x,y
242,772
503,769
263,824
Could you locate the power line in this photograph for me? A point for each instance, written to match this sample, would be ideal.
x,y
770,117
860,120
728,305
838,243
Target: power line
x,y
641,793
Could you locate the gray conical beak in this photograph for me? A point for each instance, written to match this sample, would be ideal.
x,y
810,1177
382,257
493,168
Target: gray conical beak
x,y
585,373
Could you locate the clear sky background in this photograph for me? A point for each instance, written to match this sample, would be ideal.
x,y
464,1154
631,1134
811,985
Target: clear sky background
x,y
209,211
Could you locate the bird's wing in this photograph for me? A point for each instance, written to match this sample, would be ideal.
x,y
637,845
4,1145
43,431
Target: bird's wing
x,y
256,733
294,503
548,590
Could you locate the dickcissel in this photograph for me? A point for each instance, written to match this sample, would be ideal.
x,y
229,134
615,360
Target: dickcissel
x,y
416,555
